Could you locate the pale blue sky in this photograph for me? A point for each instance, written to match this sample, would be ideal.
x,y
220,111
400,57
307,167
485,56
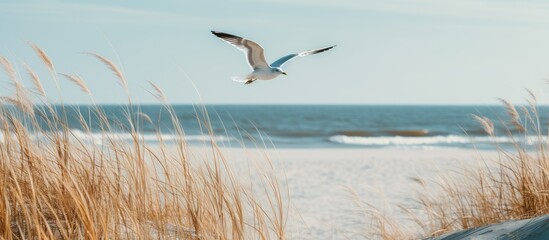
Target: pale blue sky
x,y
389,52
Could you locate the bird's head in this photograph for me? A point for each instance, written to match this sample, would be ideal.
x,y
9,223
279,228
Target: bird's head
x,y
279,70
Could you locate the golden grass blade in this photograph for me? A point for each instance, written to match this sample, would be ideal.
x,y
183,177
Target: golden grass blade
x,y
78,81
23,99
113,68
145,117
36,81
532,95
513,113
22,104
43,56
486,124
159,94
8,67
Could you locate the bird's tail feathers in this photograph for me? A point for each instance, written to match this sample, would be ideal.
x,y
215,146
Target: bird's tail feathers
x,y
242,78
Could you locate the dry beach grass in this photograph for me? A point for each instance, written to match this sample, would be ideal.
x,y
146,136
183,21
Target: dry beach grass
x,y
514,185
56,185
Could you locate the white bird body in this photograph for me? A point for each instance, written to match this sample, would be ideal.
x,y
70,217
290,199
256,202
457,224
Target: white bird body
x,y
266,73
256,58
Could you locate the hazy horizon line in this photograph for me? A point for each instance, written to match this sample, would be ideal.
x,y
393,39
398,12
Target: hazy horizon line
x,y
297,104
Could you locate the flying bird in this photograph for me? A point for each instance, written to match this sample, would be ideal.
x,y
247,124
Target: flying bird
x,y
256,58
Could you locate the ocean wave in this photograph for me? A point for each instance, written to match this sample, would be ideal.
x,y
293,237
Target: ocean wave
x,y
432,140
355,133
99,138
297,134
409,133
402,133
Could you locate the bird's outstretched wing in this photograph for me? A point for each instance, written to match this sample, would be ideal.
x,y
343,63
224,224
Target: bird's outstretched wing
x,y
252,50
278,63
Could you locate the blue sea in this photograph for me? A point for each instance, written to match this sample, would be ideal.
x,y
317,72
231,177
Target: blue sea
x,y
318,126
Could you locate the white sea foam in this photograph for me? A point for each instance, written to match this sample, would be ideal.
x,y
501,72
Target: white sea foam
x,y
432,140
100,138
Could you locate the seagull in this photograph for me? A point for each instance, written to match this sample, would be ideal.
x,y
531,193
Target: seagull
x,y
256,59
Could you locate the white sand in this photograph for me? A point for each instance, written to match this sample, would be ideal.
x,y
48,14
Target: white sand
x,y
318,181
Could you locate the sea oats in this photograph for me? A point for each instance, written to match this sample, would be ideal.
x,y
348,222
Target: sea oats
x,y
532,101
526,112
159,93
78,81
21,94
532,95
69,176
113,68
8,67
24,104
486,124
42,54
36,81
144,116
513,113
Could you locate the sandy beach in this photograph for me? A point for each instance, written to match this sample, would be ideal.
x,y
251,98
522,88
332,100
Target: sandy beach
x,y
320,181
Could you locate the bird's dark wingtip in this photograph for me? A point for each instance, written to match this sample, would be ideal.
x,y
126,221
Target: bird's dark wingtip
x,y
224,35
220,34
326,49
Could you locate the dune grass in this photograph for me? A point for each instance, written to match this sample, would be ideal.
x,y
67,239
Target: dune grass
x,y
515,185
54,184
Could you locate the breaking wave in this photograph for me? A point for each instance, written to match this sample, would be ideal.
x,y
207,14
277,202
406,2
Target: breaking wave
x,y
432,140
99,138
151,137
